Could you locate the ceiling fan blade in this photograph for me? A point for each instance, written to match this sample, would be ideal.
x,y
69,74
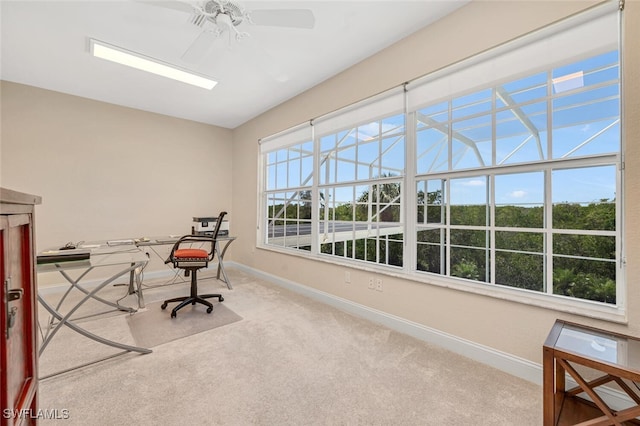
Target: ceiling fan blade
x,y
169,4
293,18
200,47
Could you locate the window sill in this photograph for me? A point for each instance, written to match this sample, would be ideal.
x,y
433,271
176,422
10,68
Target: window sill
x,y
585,308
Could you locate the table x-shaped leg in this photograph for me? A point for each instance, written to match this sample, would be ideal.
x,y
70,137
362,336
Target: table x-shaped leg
x,y
610,417
65,320
220,256
76,284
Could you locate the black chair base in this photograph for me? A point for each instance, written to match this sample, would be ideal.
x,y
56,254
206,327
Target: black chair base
x,y
188,300
193,298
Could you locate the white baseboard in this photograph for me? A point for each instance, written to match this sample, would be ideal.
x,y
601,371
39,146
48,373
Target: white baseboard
x,y
502,361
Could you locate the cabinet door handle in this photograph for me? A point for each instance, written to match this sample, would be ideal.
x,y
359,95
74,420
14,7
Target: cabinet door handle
x,y
14,294
10,296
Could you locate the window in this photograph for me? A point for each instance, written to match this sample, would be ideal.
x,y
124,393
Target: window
x,y
542,215
288,195
361,178
510,164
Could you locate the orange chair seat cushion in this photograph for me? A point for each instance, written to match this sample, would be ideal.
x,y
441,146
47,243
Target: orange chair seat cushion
x,y
191,254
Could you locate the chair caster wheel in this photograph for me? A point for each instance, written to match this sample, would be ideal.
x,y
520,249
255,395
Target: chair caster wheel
x,y
173,314
163,306
209,310
220,299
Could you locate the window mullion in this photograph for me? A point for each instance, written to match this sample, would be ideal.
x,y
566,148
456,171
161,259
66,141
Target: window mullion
x,y
492,228
492,192
548,232
409,197
315,193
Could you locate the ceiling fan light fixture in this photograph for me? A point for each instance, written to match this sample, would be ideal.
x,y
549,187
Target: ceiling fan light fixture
x,y
135,60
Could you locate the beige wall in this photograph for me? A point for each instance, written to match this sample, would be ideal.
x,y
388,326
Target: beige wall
x,y
109,172
515,328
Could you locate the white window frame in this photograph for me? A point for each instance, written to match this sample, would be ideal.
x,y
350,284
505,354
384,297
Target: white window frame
x,y
354,115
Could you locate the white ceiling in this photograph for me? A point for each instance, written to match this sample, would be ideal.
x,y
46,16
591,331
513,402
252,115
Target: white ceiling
x,y
45,44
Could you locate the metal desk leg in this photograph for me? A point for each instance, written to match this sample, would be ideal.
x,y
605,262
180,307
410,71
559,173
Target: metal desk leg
x,y
65,320
86,333
75,284
74,327
138,276
220,256
134,275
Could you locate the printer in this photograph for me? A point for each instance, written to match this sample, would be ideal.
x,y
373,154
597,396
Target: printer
x,y
206,225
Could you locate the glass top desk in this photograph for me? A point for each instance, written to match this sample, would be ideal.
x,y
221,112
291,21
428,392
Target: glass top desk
x,y
615,356
222,240
124,260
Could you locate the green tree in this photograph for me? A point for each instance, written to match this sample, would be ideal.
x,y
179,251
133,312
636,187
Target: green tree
x,y
584,285
466,269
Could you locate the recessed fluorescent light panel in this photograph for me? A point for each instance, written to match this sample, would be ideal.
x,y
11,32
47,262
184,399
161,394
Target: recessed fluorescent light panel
x,y
131,59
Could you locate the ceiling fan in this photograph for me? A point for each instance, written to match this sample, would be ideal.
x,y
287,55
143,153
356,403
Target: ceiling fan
x,y
220,18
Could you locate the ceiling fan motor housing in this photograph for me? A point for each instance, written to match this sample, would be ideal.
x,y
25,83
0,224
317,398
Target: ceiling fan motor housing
x,y
214,9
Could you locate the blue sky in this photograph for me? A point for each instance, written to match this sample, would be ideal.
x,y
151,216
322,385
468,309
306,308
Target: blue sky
x,y
585,116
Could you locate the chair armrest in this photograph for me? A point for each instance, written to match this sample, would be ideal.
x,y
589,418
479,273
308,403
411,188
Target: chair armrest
x,y
192,239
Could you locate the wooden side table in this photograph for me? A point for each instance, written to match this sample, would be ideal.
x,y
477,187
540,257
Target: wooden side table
x,y
614,355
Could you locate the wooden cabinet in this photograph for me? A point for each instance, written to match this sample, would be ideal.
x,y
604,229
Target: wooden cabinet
x,y
18,310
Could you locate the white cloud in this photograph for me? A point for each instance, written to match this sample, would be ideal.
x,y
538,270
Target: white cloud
x,y
368,131
476,182
518,194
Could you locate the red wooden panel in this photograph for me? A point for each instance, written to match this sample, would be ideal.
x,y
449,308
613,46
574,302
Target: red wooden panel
x,y
18,359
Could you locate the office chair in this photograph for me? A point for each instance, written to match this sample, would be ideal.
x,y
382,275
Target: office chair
x,y
191,260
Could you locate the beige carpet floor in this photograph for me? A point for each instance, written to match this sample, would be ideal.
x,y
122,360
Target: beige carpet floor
x,y
288,361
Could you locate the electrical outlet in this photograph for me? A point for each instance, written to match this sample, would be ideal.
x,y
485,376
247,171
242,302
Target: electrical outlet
x,y
372,284
379,284
347,276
